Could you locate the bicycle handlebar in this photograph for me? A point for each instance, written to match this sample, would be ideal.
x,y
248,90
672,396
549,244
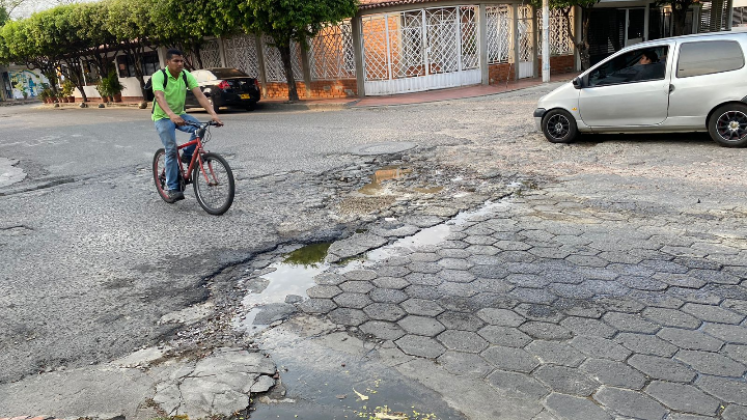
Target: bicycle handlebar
x,y
201,124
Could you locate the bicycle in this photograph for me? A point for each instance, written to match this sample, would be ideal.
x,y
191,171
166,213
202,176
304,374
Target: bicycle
x,y
212,177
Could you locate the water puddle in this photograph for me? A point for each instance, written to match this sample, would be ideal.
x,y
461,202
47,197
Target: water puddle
x,y
295,273
386,173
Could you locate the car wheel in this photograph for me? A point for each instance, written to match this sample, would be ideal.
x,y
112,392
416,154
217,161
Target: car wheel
x,y
559,126
728,125
251,107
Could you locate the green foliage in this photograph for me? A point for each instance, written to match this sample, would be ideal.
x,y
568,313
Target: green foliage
x,y
67,88
110,85
4,16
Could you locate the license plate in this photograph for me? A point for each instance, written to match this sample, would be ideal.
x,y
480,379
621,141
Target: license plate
x,y
244,96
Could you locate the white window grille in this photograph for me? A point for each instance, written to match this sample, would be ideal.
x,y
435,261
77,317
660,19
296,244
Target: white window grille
x,y
274,70
331,54
525,33
241,53
210,54
468,29
375,46
498,34
560,40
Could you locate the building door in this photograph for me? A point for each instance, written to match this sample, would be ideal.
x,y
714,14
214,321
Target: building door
x,y
420,50
635,22
526,43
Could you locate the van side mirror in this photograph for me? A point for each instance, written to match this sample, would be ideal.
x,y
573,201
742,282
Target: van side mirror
x,y
577,83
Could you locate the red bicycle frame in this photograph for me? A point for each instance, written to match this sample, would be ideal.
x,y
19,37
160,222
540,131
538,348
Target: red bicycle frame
x,y
196,156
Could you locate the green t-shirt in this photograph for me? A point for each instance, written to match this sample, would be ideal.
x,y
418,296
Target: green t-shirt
x,y
175,93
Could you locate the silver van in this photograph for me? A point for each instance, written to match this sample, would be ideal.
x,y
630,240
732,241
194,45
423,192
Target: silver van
x,y
683,84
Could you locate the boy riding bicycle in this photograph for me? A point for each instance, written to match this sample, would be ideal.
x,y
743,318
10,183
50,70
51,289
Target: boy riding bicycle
x,y
170,89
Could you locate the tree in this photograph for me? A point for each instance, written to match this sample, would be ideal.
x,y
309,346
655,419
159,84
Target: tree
x,y
4,16
90,19
566,7
129,21
286,21
679,14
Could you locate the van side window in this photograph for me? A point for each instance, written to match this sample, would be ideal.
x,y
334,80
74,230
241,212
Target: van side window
x,y
708,57
641,65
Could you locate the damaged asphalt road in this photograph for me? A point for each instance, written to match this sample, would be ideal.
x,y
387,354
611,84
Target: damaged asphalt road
x,y
613,243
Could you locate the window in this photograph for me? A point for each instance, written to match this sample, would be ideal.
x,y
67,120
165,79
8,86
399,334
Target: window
x,y
708,57
641,65
126,65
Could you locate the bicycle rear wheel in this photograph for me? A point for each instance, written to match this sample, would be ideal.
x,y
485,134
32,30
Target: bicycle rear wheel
x,y
213,183
159,175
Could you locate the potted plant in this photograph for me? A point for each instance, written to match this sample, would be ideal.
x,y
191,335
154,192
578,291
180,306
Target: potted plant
x,y
104,89
115,86
67,91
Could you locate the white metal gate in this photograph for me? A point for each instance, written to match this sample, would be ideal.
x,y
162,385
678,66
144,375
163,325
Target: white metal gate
x,y
420,50
526,41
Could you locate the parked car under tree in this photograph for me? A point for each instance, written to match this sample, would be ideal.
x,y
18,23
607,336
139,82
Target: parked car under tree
x,y
695,84
225,87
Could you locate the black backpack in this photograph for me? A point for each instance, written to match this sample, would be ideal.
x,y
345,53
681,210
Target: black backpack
x,y
151,96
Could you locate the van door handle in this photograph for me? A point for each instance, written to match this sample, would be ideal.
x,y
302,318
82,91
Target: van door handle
x,y
671,88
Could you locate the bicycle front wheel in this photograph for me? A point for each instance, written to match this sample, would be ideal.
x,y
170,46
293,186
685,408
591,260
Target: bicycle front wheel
x,y
213,183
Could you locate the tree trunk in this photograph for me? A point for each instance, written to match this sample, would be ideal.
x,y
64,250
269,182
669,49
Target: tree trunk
x,y
583,46
285,55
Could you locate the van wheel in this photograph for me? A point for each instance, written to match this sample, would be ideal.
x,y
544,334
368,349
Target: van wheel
x,y
728,125
559,126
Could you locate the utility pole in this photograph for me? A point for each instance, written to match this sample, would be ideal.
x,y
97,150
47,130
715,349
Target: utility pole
x,y
545,41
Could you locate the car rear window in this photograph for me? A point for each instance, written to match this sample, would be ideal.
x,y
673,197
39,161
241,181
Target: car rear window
x,y
228,73
708,57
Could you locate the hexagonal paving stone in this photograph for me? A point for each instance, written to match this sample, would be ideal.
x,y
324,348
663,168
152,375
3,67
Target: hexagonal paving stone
x,y
734,412
387,295
460,321
615,374
467,364
570,291
489,271
347,316
457,303
421,325
383,330
736,352
662,368
713,276
655,299
481,250
684,398
630,323
642,283
416,345
566,407
518,384
566,380
457,289
424,257
391,283
505,336
630,403
356,286
646,344
605,288
545,331
361,275
421,307
587,260
712,313
528,280
680,280
542,313
329,279
690,340
456,276
352,300
671,318
695,296
425,267
395,271
711,363
508,358
454,264
588,326
552,352
423,292
454,245
384,312
502,317
464,341
729,333
323,292
730,390
600,348
453,253
480,240
421,279
531,295
317,306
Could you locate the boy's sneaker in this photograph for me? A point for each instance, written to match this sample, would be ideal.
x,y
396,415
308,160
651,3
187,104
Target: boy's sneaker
x,y
175,195
186,159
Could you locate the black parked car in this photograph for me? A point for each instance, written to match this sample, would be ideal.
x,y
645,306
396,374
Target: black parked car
x,y
225,87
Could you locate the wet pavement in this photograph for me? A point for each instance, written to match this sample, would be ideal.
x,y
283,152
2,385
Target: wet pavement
x,y
593,315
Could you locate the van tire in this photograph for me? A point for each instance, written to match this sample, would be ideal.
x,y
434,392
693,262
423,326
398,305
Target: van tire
x,y
559,126
728,125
